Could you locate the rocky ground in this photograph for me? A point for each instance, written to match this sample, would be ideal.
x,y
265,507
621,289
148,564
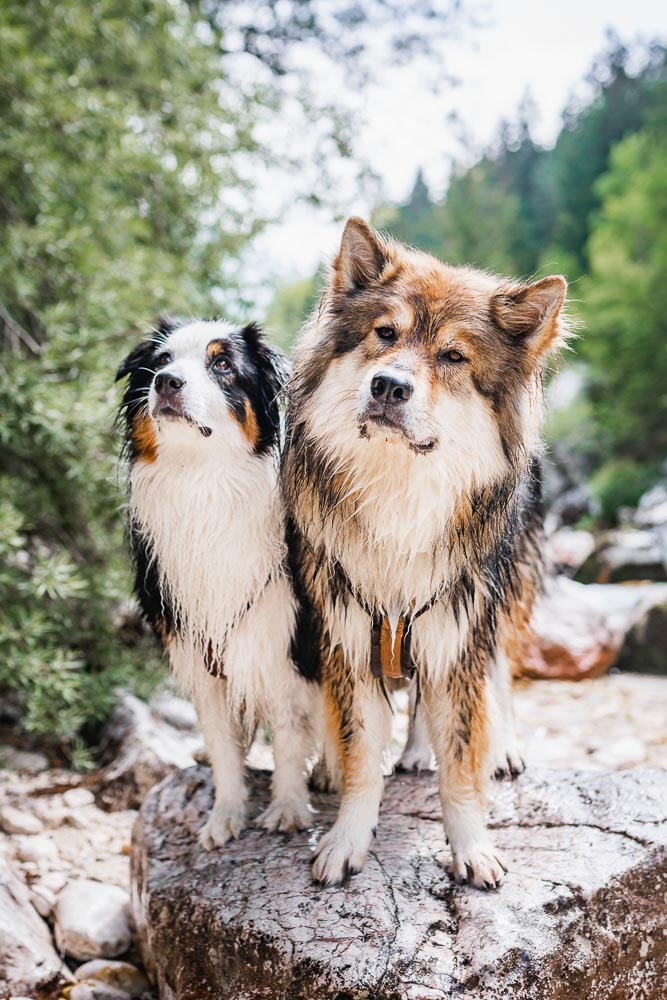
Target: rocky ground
x,y
73,856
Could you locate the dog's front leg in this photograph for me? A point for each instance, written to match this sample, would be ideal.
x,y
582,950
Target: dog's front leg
x,y
506,759
363,720
457,714
224,740
291,720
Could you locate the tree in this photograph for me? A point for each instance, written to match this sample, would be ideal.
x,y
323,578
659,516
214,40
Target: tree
x,y
625,300
620,104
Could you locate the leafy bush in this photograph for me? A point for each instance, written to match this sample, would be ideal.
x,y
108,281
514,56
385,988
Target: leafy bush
x,y
113,148
620,483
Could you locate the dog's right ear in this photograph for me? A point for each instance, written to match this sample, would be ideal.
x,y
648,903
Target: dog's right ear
x,y
137,358
361,258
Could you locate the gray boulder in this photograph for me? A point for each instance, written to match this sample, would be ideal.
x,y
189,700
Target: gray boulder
x,y
644,649
580,916
625,554
29,965
141,745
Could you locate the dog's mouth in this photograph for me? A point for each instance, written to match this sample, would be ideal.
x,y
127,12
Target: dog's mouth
x,y
164,410
395,429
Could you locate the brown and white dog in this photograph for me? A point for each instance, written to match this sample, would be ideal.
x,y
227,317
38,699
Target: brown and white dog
x,y
206,522
411,479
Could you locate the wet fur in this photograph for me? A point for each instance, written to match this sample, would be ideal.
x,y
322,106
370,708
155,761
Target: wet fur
x,y
443,509
207,533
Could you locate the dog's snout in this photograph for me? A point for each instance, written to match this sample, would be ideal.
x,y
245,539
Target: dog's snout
x,y
386,388
168,384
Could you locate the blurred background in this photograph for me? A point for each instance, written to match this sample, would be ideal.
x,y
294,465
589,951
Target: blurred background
x,y
199,156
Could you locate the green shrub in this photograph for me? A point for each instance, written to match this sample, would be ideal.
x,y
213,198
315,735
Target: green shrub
x,y
620,483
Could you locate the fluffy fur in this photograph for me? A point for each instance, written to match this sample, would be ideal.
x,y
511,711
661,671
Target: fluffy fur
x,y
207,529
412,484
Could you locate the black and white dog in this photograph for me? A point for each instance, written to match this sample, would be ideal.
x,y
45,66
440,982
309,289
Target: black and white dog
x,y
206,523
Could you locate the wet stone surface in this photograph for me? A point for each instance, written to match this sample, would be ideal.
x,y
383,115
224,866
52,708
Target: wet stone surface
x,y
579,916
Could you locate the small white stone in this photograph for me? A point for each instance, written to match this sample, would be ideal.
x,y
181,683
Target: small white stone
x,y
118,975
17,821
76,798
92,920
53,881
42,899
38,849
95,991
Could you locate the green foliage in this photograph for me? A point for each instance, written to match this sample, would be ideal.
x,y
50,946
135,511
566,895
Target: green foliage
x,y
625,300
114,146
289,309
620,483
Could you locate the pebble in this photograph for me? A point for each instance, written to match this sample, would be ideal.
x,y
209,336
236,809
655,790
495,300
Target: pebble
x,y
17,821
12,759
53,881
92,920
76,798
118,975
95,991
625,752
38,849
42,899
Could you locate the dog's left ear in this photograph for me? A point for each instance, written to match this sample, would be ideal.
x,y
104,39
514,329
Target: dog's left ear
x,y
361,259
135,359
272,363
529,312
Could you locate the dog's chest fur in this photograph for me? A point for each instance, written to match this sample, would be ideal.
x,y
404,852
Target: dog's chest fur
x,y
214,528
392,538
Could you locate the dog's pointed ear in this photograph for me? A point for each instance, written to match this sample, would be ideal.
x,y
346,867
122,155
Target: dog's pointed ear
x,y
529,312
135,359
361,258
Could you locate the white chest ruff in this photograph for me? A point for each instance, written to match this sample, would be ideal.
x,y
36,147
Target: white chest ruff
x,y
216,535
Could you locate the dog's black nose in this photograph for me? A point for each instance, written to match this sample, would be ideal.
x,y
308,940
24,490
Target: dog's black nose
x,y
387,389
168,384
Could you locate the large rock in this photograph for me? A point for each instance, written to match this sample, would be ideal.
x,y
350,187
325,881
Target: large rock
x,y
141,745
644,649
29,965
580,916
580,629
625,554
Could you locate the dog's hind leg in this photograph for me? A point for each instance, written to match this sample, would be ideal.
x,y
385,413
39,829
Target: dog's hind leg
x,y
363,719
291,720
326,775
224,738
417,755
457,714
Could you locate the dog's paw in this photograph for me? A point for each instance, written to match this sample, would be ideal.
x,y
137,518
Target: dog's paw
x,y
224,823
323,779
339,854
478,865
286,816
415,758
509,766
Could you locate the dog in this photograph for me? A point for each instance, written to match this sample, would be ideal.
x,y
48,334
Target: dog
x,y
411,477
202,427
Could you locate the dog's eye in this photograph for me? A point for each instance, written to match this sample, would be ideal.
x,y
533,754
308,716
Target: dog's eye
x,y
451,357
221,364
386,333
163,359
